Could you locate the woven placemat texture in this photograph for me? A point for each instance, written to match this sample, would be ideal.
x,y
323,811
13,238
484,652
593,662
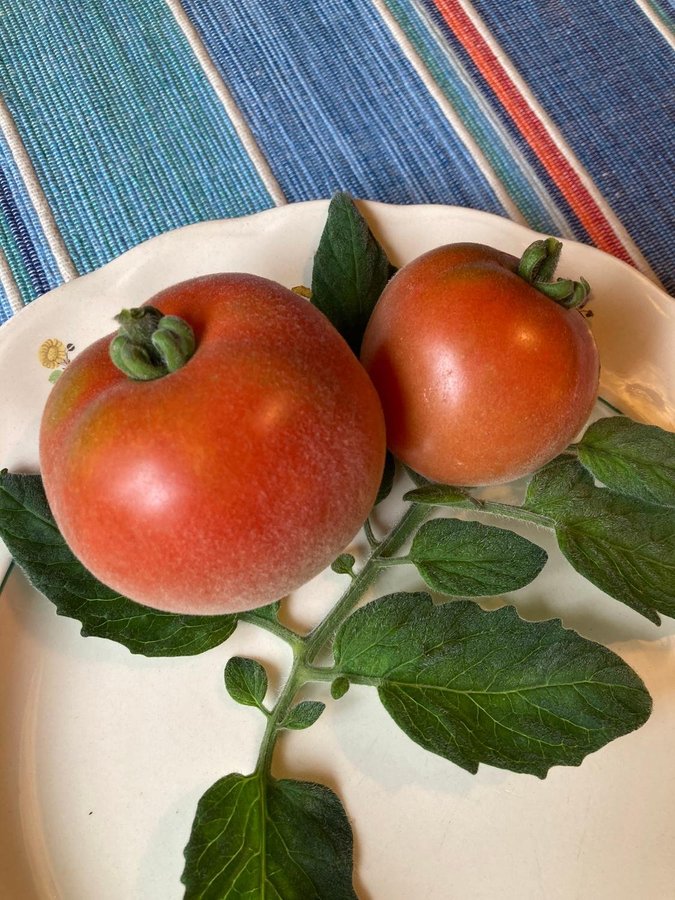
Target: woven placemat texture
x,y
122,119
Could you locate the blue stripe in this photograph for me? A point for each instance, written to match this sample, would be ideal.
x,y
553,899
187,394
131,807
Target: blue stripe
x,y
126,134
510,163
42,269
607,80
334,103
5,309
22,237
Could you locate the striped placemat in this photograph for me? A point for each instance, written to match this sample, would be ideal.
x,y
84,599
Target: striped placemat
x,y
121,119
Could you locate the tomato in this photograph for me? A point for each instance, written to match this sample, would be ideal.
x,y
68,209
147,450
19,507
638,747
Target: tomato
x,y
230,481
482,377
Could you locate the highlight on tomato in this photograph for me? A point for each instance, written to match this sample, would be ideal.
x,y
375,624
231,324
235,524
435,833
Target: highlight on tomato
x,y
485,366
227,455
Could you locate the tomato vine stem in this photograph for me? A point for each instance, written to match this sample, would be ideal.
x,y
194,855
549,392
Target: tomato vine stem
x,y
407,524
370,536
507,511
305,650
537,266
277,714
254,617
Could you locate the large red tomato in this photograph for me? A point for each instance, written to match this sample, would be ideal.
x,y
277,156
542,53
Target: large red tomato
x,y
230,481
482,378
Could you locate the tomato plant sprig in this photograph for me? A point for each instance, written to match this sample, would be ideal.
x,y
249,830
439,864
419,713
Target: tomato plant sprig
x,y
549,673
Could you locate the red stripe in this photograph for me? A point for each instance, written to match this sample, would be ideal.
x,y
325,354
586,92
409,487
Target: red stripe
x,y
561,172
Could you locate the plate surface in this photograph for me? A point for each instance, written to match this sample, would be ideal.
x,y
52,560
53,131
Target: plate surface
x,y
104,755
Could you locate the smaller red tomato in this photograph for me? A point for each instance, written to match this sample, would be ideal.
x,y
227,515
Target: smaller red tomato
x,y
482,377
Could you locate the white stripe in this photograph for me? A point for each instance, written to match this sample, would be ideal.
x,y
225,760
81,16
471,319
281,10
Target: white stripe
x,y
448,111
37,196
557,137
562,225
657,22
9,284
223,93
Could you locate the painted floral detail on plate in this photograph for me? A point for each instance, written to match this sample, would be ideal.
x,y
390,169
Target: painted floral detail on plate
x,y
55,355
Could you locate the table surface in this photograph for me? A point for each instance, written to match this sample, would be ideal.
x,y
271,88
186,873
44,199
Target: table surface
x,y
122,119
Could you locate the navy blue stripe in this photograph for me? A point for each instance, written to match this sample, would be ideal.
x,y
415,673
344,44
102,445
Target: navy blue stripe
x,y
333,103
29,216
27,249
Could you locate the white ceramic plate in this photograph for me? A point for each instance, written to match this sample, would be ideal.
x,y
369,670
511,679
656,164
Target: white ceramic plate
x,y
104,755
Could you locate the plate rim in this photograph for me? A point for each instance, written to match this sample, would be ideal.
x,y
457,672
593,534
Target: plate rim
x,y
298,208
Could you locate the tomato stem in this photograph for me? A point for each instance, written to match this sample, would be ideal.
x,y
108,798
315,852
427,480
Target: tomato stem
x,y
277,714
395,561
537,266
508,511
272,625
306,650
150,345
319,673
370,536
407,524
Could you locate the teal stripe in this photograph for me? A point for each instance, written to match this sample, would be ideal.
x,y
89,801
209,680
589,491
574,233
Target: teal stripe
x,y
126,135
663,14
16,263
518,177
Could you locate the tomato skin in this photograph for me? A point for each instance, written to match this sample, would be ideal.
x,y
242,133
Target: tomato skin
x,y
235,479
482,378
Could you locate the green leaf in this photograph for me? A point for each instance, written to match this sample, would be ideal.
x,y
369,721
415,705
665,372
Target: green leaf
x,y
270,612
246,681
343,564
28,529
441,495
388,476
631,458
468,559
624,546
339,687
266,839
486,687
350,270
303,715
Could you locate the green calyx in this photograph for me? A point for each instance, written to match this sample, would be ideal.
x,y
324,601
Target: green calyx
x,y
537,266
150,345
